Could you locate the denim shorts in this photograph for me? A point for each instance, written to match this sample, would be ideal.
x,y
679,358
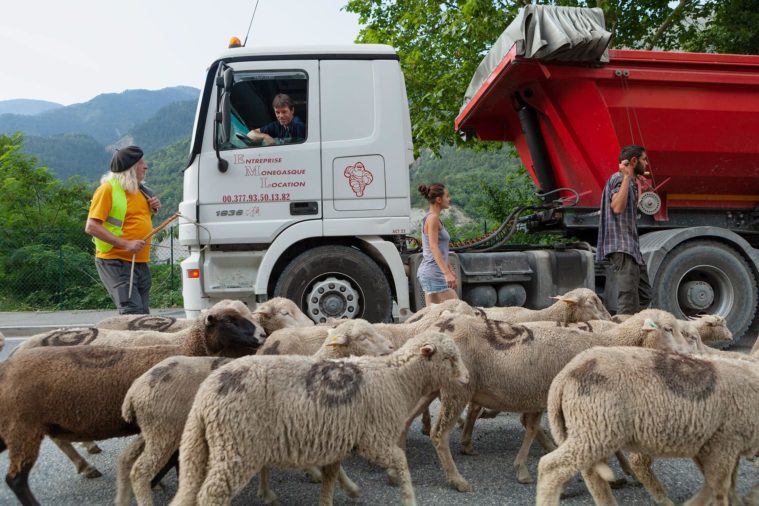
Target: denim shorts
x,y
433,285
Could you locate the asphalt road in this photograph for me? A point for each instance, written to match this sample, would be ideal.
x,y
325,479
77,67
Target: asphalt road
x,y
54,480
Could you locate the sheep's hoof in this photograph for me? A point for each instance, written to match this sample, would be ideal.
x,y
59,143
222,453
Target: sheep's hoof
x,y
92,448
469,450
523,474
461,485
268,497
353,492
618,483
91,472
392,477
314,475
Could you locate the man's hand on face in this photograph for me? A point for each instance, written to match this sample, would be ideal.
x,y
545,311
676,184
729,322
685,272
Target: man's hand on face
x,y
627,167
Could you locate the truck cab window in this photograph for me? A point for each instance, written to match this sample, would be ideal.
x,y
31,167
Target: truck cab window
x,y
268,108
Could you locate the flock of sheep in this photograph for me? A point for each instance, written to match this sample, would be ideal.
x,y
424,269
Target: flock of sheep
x,y
235,393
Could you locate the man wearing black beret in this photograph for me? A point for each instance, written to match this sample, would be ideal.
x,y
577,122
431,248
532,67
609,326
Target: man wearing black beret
x,y
119,221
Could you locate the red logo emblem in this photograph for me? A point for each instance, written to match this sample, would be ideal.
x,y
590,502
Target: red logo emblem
x,y
358,178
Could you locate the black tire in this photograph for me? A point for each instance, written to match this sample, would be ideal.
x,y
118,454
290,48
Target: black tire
x,y
338,282
707,277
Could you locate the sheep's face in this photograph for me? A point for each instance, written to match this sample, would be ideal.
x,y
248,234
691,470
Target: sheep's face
x,y
439,347
665,336
691,335
358,337
279,313
713,328
231,334
582,305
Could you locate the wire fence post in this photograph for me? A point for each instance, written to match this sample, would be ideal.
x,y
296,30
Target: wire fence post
x,y
60,268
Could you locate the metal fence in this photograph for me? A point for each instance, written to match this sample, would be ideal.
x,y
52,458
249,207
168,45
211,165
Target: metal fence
x,y
58,272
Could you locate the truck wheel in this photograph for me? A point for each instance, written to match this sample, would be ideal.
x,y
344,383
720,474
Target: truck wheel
x,y
707,277
336,282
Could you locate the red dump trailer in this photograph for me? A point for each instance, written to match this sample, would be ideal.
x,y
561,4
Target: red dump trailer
x,y
698,117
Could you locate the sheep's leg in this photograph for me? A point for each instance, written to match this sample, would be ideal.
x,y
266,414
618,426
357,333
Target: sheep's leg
x,y
705,495
347,484
23,454
172,463
450,409
329,476
599,488
392,457
265,493
193,458
557,467
641,466
126,459
717,463
225,479
426,421
466,435
544,440
91,447
531,422
82,466
156,453
421,406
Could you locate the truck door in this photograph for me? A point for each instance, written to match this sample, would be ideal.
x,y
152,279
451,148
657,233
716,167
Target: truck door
x,y
274,174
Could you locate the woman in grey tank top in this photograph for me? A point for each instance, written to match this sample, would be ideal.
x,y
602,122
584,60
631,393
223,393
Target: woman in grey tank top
x,y
435,274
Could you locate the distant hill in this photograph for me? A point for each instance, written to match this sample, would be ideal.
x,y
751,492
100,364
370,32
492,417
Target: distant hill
x,y
25,106
106,118
80,154
69,155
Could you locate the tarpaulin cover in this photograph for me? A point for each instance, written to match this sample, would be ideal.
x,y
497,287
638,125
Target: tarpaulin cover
x,y
546,32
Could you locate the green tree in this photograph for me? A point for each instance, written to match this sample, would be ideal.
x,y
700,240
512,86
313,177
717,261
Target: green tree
x,y
440,44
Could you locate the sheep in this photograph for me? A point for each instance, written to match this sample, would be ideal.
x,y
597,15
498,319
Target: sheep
x,y
500,356
289,411
275,313
35,402
578,305
159,401
305,341
681,406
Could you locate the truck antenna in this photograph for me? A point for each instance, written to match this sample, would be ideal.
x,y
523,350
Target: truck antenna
x,y
251,23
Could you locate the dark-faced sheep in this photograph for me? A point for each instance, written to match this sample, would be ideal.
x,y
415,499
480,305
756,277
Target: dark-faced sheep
x,y
75,393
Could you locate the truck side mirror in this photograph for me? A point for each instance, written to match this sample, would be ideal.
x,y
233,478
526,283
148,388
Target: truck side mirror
x,y
225,79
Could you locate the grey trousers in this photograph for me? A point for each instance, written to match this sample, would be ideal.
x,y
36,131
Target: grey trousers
x,y
633,287
115,277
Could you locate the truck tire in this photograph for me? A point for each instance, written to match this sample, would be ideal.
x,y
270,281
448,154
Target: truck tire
x,y
707,277
336,282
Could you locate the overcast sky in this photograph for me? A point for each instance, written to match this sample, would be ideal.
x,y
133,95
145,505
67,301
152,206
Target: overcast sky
x,y
69,51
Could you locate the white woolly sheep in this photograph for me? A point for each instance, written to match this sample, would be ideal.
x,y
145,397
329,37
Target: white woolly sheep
x,y
681,406
324,410
578,305
34,402
159,401
512,366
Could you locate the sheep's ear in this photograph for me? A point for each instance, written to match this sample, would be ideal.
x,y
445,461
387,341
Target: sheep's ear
x,y
427,350
649,324
336,339
568,300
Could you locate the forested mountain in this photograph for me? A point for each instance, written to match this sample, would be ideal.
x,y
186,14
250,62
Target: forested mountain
x,y
106,118
26,106
80,154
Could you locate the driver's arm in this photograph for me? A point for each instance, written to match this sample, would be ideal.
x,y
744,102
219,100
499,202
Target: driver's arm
x,y
257,135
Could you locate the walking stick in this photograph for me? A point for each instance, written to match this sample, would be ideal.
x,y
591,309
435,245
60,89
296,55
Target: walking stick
x,y
161,226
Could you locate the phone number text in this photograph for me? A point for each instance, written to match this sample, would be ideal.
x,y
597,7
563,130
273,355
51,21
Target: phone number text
x,y
255,197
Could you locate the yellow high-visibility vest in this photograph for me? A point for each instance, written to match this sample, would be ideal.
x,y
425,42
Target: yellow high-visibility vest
x,y
115,220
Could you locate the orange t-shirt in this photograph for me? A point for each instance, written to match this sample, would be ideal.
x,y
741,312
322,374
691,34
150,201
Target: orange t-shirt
x,y
138,222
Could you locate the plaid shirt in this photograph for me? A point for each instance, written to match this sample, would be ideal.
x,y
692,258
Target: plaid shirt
x,y
618,232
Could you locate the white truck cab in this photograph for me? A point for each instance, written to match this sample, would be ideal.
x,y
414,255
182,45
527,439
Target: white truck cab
x,y
314,212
